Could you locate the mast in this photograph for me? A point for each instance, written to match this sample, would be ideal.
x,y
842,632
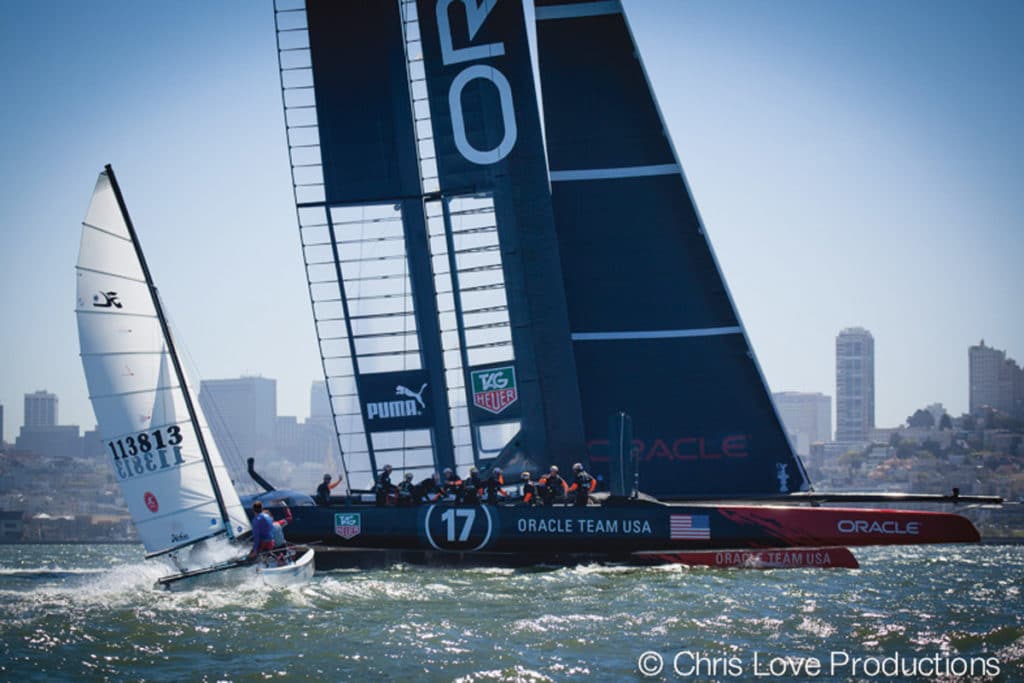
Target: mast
x,y
172,352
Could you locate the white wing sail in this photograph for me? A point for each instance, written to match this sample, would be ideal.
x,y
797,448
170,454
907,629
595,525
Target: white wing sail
x,y
140,405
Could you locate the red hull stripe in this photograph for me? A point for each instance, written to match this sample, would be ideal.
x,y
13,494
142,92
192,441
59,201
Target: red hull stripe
x,y
823,527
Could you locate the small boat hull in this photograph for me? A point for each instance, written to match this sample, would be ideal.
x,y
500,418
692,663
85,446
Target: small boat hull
x,y
298,572
240,572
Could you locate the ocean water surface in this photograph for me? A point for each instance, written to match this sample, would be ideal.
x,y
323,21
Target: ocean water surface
x,y
941,613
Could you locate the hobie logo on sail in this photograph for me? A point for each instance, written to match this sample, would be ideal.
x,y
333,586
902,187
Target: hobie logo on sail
x,y
494,389
106,300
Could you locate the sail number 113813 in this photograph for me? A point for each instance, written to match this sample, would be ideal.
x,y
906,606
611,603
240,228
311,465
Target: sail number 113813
x,y
147,452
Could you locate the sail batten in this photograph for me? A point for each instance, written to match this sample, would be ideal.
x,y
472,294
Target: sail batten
x,y
617,172
655,334
593,8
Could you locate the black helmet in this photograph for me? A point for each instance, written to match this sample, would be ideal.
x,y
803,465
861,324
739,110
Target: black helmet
x,y
408,475
327,477
577,467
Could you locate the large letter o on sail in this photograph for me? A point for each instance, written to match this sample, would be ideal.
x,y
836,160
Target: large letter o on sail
x,y
471,153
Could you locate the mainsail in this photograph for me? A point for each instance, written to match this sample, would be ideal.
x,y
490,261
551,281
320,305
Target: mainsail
x,y
473,307
654,329
427,233
171,475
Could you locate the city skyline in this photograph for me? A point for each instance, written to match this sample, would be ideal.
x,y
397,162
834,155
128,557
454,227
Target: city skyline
x,y
876,152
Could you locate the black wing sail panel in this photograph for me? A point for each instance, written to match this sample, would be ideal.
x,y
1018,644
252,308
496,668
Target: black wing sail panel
x,y
355,168
654,329
495,228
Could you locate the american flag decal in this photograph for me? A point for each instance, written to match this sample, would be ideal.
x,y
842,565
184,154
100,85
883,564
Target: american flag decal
x,y
689,527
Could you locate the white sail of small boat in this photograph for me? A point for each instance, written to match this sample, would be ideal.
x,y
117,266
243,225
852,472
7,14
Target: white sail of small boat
x,y
171,474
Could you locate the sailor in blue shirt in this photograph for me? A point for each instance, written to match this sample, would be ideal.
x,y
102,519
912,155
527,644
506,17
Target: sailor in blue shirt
x,y
262,530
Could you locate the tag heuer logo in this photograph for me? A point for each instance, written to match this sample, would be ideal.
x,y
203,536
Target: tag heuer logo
x,y
494,389
347,525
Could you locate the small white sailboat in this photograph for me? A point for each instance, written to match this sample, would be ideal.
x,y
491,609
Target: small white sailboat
x,y
178,491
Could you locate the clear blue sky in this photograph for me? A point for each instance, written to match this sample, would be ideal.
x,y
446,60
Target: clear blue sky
x,y
856,164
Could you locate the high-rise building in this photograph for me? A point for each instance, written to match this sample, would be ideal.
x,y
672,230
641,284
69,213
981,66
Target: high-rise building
x,y
807,418
242,414
319,401
855,385
995,381
40,409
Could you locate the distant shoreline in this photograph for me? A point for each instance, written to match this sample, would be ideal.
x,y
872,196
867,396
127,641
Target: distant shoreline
x,y
97,542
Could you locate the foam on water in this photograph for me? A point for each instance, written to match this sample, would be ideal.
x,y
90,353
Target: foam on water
x,y
72,612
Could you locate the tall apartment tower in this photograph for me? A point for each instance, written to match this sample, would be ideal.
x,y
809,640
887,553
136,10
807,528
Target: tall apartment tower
x,y
855,385
807,417
995,381
319,402
41,409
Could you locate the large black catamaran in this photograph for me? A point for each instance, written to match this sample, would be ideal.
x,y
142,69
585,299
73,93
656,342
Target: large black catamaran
x,y
478,299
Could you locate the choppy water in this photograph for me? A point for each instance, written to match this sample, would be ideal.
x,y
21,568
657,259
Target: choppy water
x,y
91,613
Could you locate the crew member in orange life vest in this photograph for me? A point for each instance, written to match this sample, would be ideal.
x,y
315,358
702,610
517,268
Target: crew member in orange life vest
x,y
582,485
451,484
529,489
323,491
407,491
471,487
494,484
384,486
553,483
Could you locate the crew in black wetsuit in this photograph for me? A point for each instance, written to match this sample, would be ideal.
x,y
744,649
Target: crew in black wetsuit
x,y
323,491
552,484
529,489
384,486
494,484
582,485
471,487
450,484
407,491
429,490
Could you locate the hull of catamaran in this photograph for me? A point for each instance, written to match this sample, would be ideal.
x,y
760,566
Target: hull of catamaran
x,y
295,572
640,532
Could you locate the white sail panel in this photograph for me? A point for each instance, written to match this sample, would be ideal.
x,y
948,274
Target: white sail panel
x,y
104,212
98,292
149,437
109,333
106,253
